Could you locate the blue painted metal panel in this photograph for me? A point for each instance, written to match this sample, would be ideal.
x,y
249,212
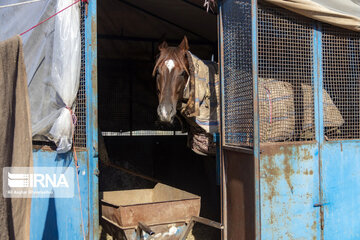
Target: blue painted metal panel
x,y
92,119
289,181
60,218
341,189
308,190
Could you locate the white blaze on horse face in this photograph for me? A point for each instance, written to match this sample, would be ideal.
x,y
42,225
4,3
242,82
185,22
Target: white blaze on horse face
x,y
164,112
170,64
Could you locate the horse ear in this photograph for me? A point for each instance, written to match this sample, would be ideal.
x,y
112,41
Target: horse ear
x,y
184,45
163,45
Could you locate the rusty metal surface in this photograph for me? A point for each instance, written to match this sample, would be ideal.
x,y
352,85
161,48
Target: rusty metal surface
x,y
167,231
163,204
201,220
289,180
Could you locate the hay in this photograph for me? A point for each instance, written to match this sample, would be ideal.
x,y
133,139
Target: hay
x,y
332,116
277,111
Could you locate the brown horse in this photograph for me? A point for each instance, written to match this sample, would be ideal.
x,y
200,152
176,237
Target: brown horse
x,y
181,79
173,73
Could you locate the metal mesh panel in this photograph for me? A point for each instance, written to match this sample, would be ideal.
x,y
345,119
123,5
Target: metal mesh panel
x,y
80,111
341,79
238,82
285,55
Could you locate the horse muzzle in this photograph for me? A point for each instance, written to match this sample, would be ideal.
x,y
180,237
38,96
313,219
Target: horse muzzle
x,y
166,112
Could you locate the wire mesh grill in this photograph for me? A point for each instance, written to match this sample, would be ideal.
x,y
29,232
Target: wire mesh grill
x,y
238,81
341,79
285,55
80,111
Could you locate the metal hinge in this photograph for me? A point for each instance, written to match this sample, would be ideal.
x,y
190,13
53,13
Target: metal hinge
x,y
319,204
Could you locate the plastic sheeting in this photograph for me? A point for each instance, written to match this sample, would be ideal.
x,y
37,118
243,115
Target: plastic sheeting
x,y
52,58
341,13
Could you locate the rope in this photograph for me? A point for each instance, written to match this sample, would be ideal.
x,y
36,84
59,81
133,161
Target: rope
x,y
73,116
52,16
17,4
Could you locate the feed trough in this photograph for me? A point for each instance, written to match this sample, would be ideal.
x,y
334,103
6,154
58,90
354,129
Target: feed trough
x,y
163,212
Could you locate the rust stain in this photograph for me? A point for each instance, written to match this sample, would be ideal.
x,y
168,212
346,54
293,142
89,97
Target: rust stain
x,y
93,33
313,226
306,155
272,218
307,172
289,235
288,171
94,76
272,175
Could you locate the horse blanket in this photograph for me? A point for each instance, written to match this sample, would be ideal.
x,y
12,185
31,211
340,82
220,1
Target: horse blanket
x,y
204,120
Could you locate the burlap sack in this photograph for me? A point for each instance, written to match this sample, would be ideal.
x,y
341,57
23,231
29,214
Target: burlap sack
x,y
15,136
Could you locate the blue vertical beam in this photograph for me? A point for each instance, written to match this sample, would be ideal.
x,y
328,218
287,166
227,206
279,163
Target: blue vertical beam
x,y
318,84
318,114
92,119
256,119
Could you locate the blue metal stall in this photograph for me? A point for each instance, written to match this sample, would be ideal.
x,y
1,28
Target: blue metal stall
x,y
291,125
301,182
62,218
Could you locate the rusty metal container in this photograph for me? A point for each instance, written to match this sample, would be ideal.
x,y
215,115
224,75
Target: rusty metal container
x,y
161,205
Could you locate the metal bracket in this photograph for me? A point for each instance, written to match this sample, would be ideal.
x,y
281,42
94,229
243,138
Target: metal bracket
x,y
143,227
319,204
202,220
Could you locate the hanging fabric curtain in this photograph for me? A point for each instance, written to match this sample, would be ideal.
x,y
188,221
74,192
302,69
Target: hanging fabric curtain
x,y
344,13
52,59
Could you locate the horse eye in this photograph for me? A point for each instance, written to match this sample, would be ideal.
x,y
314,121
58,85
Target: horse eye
x,y
158,92
183,73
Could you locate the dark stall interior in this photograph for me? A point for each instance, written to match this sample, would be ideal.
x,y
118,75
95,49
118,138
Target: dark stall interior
x,y
129,33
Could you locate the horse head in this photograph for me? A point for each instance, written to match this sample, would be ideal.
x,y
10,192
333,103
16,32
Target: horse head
x,y
172,76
